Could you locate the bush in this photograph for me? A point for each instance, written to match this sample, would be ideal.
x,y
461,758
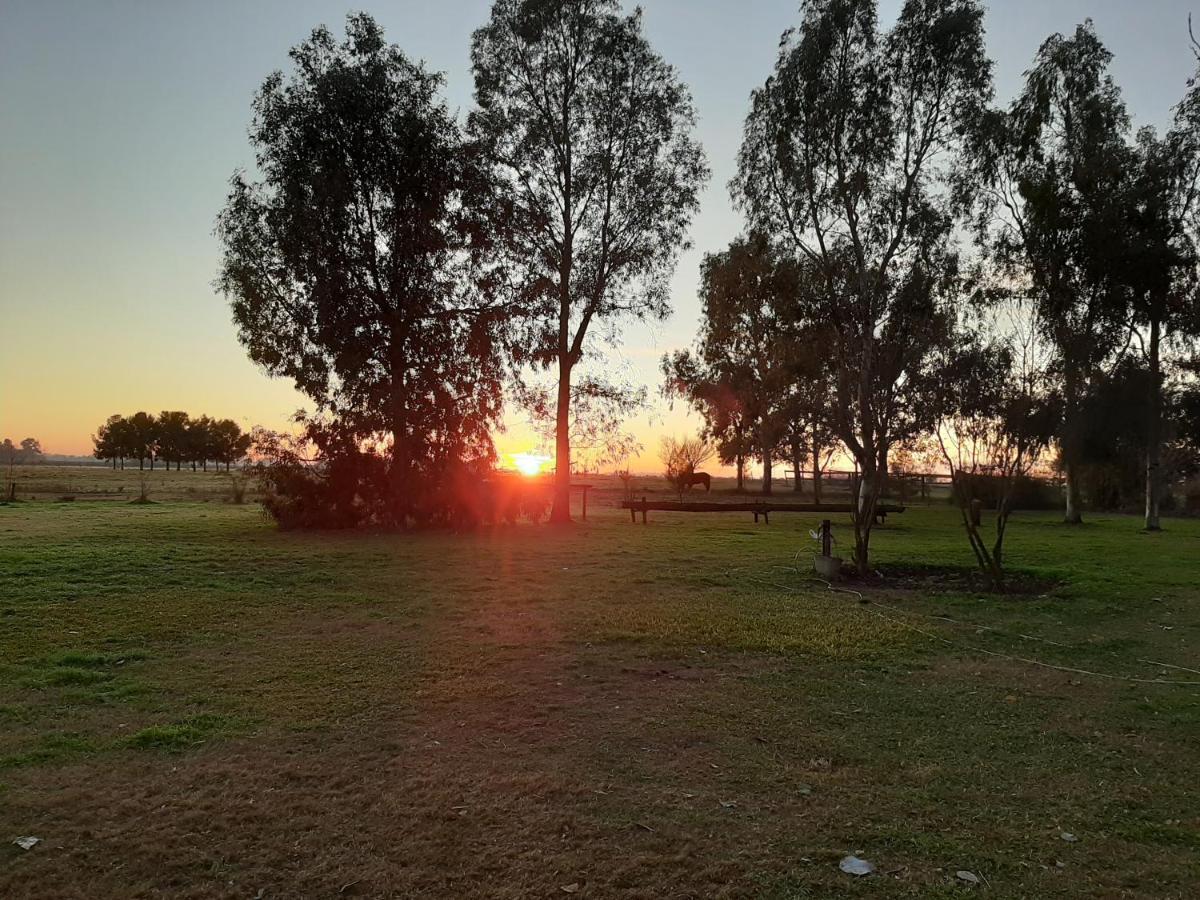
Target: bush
x,y
1028,494
346,485
1191,496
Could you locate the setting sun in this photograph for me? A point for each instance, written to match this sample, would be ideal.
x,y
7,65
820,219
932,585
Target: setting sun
x,y
529,464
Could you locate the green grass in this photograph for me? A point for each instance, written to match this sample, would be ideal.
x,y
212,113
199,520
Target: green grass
x,y
671,708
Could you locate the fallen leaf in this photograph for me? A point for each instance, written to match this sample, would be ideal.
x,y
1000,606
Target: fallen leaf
x,y
968,877
571,888
27,843
1068,837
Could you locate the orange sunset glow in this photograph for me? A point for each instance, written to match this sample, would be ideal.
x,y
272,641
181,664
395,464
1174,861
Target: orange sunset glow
x,y
529,464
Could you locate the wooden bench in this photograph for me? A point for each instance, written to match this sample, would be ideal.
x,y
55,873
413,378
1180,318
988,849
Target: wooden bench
x,y
762,508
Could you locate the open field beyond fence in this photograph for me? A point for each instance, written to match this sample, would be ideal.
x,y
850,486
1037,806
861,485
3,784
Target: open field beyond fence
x,y
195,704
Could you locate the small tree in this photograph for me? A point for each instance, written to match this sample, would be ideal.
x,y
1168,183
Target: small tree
x,y
994,425
711,393
682,458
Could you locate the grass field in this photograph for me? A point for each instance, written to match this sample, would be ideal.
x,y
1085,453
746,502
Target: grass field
x,y
193,704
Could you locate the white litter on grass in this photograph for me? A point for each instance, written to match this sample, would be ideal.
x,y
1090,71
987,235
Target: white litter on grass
x,y
968,877
852,865
1068,837
27,843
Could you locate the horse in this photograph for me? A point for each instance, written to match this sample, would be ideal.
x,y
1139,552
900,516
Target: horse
x,y
698,478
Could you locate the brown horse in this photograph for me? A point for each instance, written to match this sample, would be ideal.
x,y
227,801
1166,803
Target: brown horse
x,y
698,478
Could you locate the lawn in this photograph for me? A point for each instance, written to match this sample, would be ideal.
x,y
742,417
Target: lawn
x,y
193,704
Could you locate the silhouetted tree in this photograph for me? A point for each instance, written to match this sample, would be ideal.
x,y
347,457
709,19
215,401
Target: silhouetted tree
x,y
682,458
590,132
171,437
230,443
28,452
1163,223
600,407
140,438
1054,216
994,422
745,292
844,160
352,266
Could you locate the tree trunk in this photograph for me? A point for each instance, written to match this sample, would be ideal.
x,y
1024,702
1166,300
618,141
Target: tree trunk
x,y
1154,438
1074,505
741,472
767,451
400,473
816,466
560,513
141,463
1074,513
797,466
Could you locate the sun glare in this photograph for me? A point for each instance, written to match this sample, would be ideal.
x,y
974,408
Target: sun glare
x,y
529,464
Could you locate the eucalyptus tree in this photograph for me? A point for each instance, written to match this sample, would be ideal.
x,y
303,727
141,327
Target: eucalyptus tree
x,y
355,263
1163,220
745,294
590,134
845,160
1054,217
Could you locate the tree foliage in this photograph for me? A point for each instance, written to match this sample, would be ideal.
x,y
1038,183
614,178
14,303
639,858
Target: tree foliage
x,y
590,135
1053,216
995,419
355,263
844,158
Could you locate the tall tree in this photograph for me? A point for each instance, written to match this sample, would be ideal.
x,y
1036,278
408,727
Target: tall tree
x,y
353,266
1164,225
590,132
1054,216
745,292
844,159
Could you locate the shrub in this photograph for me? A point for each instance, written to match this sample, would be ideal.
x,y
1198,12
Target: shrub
x,y
237,488
328,481
1028,493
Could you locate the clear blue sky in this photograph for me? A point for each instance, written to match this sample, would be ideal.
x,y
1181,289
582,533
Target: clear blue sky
x,y
122,120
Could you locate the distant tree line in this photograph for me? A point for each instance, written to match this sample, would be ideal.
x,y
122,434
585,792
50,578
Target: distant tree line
x,y
171,437
22,454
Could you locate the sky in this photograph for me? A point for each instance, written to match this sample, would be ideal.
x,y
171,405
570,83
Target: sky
x,y
121,122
